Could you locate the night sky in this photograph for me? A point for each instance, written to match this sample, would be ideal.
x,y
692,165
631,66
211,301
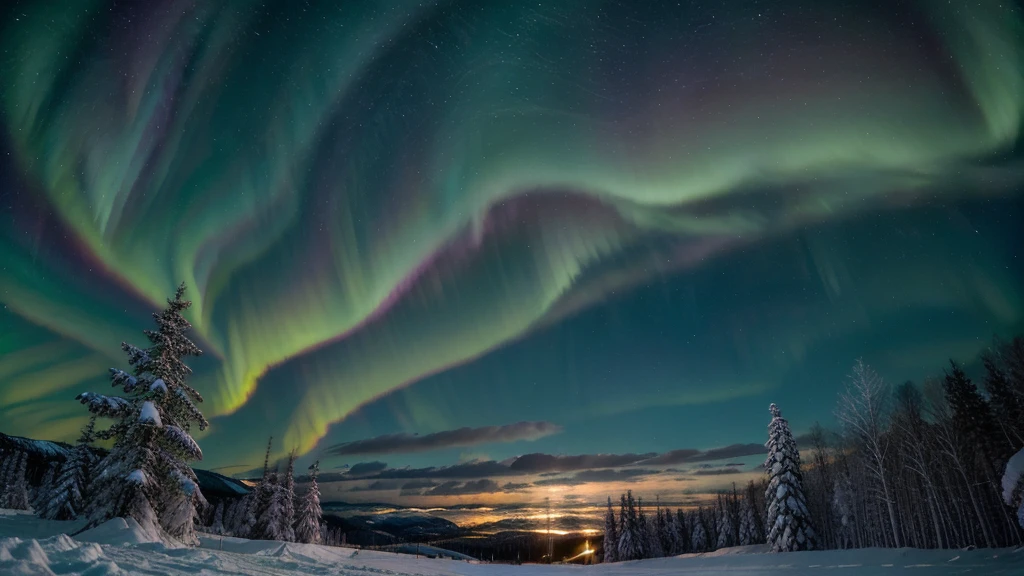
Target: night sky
x,y
425,238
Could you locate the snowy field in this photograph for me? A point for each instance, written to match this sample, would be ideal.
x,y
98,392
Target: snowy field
x,y
35,547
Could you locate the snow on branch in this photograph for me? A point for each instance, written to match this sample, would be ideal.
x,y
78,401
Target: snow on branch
x,y
183,441
149,415
103,405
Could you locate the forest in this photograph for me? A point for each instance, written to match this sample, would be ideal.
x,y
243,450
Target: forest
x,y
923,466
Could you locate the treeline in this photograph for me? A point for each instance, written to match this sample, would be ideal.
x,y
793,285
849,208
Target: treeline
x,y
637,532
272,512
911,466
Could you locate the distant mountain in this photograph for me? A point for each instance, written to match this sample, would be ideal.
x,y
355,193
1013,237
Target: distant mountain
x,y
42,452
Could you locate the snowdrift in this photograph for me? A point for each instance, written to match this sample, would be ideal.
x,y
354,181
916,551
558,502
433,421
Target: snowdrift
x,y
122,548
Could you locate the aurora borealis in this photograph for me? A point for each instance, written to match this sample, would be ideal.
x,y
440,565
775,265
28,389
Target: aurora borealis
x,y
632,224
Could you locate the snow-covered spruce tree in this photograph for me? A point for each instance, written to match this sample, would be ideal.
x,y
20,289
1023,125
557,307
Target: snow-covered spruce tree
x,y
1013,485
748,525
629,537
647,541
217,525
288,500
789,525
698,536
663,530
68,494
611,535
147,476
273,525
842,506
260,497
17,487
243,523
682,526
310,517
725,527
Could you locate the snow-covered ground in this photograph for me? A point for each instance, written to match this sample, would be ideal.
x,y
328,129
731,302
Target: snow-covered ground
x,y
35,547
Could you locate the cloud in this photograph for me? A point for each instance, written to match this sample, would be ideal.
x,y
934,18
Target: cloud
x,y
717,471
553,470
455,488
515,487
378,485
689,455
602,475
418,485
626,475
406,443
465,470
540,463
366,468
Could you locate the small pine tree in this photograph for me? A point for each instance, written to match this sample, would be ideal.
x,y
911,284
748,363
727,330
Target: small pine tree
x,y
748,530
788,519
683,530
246,523
288,501
698,536
725,527
260,497
973,416
645,533
308,527
272,524
1013,485
68,494
673,545
217,526
17,491
842,505
611,535
630,547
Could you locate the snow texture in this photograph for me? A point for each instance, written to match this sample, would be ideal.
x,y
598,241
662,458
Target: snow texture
x,y
31,546
1013,476
149,415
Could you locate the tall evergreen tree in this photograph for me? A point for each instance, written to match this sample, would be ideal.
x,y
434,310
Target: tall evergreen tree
x,y
288,501
698,535
973,416
611,535
262,494
788,520
644,532
630,547
725,525
843,507
308,527
147,474
69,489
748,530
684,533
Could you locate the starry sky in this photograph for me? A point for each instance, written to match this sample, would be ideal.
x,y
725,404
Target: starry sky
x,y
486,250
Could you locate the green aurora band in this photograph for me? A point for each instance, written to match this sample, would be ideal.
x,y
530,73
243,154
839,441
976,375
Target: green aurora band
x,y
362,194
